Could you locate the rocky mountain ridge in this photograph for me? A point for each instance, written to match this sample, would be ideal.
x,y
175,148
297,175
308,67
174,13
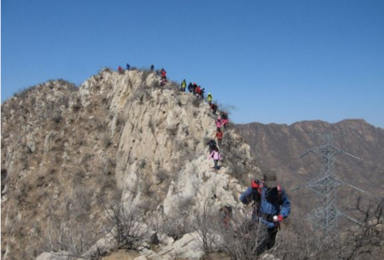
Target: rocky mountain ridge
x,y
68,152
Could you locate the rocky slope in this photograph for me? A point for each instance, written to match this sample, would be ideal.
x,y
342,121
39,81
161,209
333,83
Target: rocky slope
x,y
279,147
68,152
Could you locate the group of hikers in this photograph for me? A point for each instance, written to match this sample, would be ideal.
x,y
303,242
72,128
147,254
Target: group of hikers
x,y
128,67
120,69
221,123
195,89
269,201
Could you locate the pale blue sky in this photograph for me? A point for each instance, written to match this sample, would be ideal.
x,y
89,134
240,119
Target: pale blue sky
x,y
277,61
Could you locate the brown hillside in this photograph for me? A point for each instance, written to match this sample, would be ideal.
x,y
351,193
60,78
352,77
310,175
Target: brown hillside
x,y
279,147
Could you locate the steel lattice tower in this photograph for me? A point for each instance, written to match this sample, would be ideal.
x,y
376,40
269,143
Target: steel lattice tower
x,y
324,216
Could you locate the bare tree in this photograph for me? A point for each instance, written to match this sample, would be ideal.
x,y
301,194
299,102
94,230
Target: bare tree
x,y
126,226
206,221
241,239
179,223
364,241
63,232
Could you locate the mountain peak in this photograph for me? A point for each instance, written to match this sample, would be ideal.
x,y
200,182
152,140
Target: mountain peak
x,y
120,137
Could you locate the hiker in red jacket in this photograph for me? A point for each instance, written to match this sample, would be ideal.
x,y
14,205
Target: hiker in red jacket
x,y
219,136
163,74
198,91
120,69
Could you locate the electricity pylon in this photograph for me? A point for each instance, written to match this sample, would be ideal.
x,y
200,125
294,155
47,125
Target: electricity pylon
x,y
324,215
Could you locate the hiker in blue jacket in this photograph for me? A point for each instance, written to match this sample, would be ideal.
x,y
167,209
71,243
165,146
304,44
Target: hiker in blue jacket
x,y
271,205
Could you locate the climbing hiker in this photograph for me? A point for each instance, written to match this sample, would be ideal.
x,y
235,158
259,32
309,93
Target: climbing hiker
x,y
215,155
194,86
219,136
152,68
128,66
183,85
163,82
120,69
212,145
213,108
190,87
163,74
225,213
202,92
209,98
218,122
270,206
224,119
198,91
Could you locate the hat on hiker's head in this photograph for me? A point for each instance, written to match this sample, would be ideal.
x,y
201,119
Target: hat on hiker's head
x,y
270,178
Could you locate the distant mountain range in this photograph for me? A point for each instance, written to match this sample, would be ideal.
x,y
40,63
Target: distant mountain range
x,y
279,146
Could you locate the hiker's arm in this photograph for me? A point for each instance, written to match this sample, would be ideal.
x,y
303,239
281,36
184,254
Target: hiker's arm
x,y
246,196
285,205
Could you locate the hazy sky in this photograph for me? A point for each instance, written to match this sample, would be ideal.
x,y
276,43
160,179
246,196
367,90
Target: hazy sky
x,y
277,61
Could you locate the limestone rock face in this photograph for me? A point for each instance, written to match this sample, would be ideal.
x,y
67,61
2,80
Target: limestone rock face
x,y
67,152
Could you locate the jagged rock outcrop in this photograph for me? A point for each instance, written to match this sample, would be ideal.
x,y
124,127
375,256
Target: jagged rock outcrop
x,y
68,151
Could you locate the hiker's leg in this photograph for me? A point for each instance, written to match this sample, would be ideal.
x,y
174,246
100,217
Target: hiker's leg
x,y
268,242
216,162
272,237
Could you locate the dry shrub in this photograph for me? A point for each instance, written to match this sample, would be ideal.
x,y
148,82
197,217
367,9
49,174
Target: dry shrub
x,y
126,226
243,238
22,93
145,74
172,130
76,105
120,121
142,163
56,116
152,126
109,167
362,241
106,141
145,186
140,94
63,232
196,102
162,175
206,223
179,222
